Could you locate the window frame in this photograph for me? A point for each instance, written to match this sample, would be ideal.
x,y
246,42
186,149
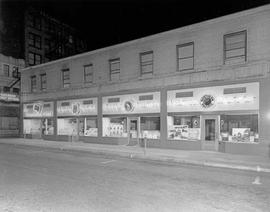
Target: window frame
x,y
8,70
228,35
43,82
36,40
33,86
34,58
114,71
179,59
88,74
65,84
142,64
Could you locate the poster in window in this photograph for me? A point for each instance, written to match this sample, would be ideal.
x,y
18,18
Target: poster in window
x,y
241,134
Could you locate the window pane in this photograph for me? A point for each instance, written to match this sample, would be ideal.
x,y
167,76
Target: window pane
x,y
146,57
150,127
114,127
235,53
185,51
235,38
185,64
184,127
147,69
239,128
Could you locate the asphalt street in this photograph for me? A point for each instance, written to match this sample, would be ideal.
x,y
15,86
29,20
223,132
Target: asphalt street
x,y
38,179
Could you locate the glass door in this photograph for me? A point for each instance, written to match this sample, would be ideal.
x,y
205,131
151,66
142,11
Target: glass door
x,y
210,132
133,130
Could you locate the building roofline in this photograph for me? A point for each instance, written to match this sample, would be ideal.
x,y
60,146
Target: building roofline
x,y
154,36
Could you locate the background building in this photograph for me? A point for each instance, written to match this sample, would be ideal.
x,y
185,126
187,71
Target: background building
x,y
199,87
32,34
9,95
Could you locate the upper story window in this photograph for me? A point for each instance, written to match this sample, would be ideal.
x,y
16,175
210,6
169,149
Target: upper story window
x,y
66,78
146,63
16,90
34,40
43,82
185,56
33,83
88,73
114,69
6,70
6,89
235,47
34,21
34,59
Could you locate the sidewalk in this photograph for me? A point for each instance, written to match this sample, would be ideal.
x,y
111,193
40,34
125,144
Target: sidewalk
x,y
202,158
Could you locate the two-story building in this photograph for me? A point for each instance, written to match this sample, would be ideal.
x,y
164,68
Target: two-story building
x,y
9,95
200,87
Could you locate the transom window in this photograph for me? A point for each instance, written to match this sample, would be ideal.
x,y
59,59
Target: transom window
x,y
235,47
88,73
66,78
185,57
146,62
114,69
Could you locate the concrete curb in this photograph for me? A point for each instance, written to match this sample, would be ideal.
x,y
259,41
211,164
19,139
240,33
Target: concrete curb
x,y
139,156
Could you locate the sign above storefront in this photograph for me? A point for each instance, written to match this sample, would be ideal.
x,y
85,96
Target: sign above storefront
x,y
77,107
38,109
9,97
131,104
218,98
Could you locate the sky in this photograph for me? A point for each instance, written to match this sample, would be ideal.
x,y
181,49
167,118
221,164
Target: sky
x,y
108,22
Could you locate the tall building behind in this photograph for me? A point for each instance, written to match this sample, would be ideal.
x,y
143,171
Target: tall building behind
x,y
47,39
32,34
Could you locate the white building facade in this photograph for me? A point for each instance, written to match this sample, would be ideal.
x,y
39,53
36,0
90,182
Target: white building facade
x,y
200,87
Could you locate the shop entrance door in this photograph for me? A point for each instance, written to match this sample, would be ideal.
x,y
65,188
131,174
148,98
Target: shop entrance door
x,y
210,132
133,131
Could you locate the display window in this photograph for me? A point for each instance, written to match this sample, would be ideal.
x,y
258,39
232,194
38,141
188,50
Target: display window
x,y
67,126
150,127
114,127
88,127
239,128
32,126
47,127
184,127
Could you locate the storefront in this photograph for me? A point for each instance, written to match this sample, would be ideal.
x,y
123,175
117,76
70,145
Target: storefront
x,y
38,119
214,116
127,118
77,118
9,115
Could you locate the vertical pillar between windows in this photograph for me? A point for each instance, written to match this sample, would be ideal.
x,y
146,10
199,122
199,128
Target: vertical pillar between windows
x,y
163,116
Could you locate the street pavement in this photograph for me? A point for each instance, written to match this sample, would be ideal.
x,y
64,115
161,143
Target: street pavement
x,y
201,158
39,179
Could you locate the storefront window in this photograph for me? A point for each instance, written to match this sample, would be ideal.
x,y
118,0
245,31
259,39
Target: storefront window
x,y
47,127
67,126
31,126
114,126
239,128
150,127
184,127
88,127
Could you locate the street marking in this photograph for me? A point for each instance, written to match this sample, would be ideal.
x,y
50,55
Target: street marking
x,y
109,161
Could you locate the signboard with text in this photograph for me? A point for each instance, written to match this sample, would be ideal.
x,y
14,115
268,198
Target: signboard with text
x,y
38,109
77,107
219,98
132,103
